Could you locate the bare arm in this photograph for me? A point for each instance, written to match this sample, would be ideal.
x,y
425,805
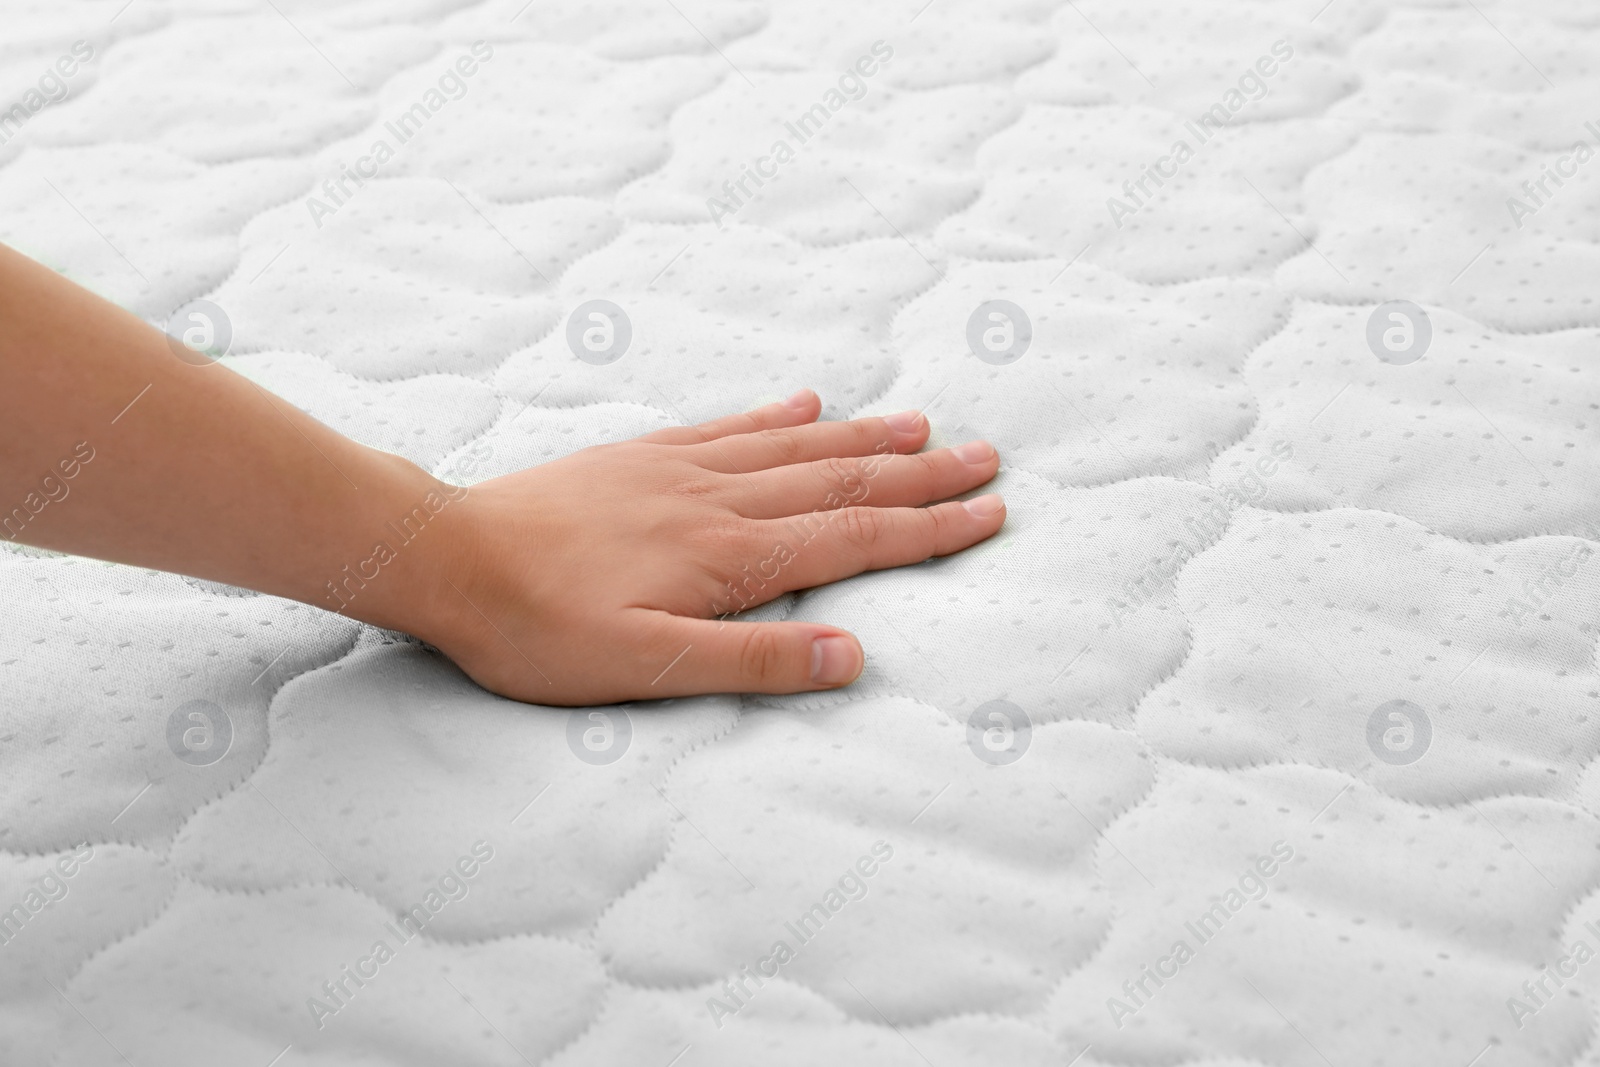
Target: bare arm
x,y
194,469
574,582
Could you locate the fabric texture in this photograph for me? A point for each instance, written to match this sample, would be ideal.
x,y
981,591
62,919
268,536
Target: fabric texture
x,y
1264,732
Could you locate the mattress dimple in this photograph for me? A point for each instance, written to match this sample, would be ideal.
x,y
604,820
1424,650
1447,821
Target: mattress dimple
x,y
1237,536
619,29
536,120
138,225
1461,45
142,647
788,1024
943,45
1483,439
1201,830
1090,655
426,1002
165,91
1098,380
1065,181
343,281
961,837
383,779
424,418
1202,60
1459,245
1514,708
78,900
907,158
726,320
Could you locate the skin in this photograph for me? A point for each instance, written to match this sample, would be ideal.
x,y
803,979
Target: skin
x,y
600,577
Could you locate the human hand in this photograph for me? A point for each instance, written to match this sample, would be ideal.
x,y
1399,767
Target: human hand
x,y
602,577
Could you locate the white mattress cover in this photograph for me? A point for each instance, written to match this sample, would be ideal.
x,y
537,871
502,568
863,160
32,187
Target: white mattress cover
x,y
1200,649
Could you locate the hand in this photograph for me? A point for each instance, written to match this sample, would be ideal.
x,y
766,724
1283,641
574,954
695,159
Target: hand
x,y
604,576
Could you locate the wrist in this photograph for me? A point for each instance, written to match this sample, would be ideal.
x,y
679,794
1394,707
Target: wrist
x,y
393,568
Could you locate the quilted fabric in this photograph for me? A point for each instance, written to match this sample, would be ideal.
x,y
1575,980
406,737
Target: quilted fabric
x,y
1264,733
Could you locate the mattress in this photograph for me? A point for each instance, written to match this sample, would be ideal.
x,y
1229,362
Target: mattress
x,y
1263,734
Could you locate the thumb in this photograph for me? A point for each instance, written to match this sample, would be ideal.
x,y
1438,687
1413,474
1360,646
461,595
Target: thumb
x,y
718,656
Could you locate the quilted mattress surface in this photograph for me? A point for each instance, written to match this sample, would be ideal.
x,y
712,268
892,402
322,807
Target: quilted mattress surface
x,y
1263,734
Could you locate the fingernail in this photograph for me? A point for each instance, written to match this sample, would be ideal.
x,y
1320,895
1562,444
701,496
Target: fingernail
x,y
799,400
834,660
904,421
984,506
974,452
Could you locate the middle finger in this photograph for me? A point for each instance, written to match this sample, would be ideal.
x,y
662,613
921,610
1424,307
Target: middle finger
x,y
887,481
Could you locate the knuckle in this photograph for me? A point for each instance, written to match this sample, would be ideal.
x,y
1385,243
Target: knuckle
x,y
837,472
745,422
936,530
761,655
787,445
931,465
726,538
861,528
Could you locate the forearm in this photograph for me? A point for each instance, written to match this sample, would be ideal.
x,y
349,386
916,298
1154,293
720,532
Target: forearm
x,y
191,468
604,575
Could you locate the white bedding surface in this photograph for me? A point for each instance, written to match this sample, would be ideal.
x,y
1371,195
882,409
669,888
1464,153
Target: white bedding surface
x,y
1236,536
